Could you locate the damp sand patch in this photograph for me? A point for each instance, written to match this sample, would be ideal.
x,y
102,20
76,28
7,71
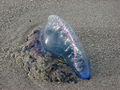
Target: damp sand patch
x,y
43,70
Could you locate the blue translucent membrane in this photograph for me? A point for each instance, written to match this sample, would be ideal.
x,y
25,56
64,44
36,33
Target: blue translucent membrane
x,y
59,39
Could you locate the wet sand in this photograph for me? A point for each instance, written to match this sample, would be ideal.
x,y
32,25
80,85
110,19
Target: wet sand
x,y
97,23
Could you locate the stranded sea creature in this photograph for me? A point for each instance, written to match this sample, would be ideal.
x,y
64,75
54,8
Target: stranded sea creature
x,y
58,39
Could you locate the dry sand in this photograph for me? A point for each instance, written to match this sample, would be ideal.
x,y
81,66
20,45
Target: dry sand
x,y
97,22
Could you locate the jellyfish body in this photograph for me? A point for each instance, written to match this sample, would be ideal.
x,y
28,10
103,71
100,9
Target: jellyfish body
x,y
59,39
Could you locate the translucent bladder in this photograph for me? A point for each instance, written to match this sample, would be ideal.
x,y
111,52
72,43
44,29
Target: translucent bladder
x,y
60,40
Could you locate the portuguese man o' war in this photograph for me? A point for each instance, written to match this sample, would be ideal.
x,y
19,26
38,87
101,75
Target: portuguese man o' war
x,y
58,39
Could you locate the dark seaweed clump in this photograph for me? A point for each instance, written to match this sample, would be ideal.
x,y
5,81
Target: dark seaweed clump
x,y
49,69
45,68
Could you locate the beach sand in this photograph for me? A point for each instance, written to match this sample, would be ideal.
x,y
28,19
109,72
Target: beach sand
x,y
97,23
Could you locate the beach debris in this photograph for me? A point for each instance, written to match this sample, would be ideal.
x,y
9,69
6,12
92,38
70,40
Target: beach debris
x,y
53,54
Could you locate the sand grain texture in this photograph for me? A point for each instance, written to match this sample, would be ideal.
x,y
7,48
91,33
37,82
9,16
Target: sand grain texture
x,y
97,23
